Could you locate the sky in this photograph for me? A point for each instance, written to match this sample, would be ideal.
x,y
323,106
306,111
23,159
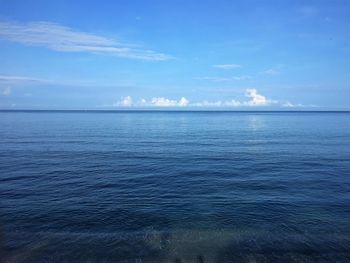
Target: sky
x,y
175,54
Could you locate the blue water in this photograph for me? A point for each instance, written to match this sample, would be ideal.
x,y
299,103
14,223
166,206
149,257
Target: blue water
x,y
175,186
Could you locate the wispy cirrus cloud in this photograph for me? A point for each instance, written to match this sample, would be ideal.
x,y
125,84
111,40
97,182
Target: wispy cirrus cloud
x,y
17,80
65,39
214,79
13,78
227,66
223,79
243,77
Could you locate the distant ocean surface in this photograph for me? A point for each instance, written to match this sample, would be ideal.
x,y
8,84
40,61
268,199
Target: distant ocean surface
x,y
174,186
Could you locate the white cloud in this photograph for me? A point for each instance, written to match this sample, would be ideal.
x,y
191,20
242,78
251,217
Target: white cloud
x,y
206,103
227,66
65,39
232,103
124,102
164,102
7,91
154,102
183,102
255,98
289,104
219,103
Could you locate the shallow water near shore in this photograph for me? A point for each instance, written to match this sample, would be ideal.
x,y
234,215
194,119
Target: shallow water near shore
x,y
175,186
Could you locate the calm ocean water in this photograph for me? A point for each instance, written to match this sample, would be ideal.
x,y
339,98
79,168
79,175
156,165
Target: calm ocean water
x,y
175,187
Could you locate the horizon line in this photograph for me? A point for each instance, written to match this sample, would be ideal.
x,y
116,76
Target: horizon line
x,y
168,110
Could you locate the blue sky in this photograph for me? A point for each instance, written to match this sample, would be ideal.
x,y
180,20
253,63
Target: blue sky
x,y
175,54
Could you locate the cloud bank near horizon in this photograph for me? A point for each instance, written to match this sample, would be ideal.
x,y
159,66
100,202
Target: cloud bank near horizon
x,y
254,100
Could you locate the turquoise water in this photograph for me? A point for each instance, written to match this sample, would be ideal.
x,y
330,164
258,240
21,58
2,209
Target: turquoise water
x,y
175,186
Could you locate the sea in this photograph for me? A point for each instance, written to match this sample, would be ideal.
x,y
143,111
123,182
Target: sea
x,y
174,186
